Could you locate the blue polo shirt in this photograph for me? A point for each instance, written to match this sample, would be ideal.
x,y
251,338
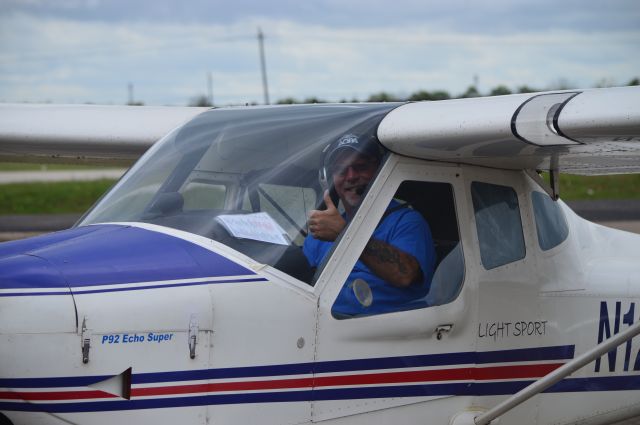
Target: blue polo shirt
x,y
406,230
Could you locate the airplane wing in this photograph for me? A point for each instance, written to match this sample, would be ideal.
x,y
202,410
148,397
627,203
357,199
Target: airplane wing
x,y
85,133
594,131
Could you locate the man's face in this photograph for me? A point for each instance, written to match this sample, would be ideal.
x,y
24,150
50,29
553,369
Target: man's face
x,y
352,172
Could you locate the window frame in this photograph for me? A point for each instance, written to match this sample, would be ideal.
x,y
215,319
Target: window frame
x,y
343,258
523,230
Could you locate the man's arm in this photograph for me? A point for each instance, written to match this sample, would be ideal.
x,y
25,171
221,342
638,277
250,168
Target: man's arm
x,y
394,266
391,264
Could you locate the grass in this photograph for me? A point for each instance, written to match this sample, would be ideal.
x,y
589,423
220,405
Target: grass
x,y
23,166
621,186
51,198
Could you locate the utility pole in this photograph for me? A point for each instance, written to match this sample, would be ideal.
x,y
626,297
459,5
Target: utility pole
x,y
265,87
210,88
130,87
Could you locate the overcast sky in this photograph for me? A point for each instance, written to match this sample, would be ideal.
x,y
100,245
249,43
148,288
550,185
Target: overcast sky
x,y
77,51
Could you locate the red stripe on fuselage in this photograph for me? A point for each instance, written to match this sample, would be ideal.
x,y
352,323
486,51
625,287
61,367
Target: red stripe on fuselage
x,y
438,375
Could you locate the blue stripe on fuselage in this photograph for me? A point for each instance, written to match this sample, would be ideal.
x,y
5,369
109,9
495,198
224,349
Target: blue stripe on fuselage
x,y
618,383
563,352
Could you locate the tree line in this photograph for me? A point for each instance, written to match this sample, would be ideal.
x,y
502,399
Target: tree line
x,y
383,96
472,91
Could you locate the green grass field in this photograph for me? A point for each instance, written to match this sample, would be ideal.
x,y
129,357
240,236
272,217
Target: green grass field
x,y
77,197
23,166
622,186
51,198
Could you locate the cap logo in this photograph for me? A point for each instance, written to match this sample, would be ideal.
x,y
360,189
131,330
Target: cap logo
x,y
346,140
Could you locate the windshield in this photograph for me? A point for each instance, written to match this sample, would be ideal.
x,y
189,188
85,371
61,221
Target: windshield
x,y
245,177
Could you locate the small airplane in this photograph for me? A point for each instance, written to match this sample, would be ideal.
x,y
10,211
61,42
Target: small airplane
x,y
184,295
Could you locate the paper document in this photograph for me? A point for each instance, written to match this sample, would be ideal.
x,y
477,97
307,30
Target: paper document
x,y
258,226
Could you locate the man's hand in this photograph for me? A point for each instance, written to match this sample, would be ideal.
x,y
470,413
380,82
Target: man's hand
x,y
326,224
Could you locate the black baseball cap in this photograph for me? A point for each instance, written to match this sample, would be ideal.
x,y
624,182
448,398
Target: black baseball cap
x,y
366,145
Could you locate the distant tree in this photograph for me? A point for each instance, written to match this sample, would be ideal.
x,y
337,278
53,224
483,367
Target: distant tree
x,y
420,95
287,101
472,91
426,95
201,100
314,99
382,97
500,91
561,84
526,89
605,82
440,95
634,82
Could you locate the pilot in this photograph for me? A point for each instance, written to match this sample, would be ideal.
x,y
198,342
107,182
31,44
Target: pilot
x,y
398,261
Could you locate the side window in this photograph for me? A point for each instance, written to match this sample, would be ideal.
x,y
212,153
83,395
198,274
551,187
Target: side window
x,y
551,225
498,224
419,229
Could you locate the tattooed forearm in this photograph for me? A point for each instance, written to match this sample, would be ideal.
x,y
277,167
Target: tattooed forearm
x,y
393,265
385,253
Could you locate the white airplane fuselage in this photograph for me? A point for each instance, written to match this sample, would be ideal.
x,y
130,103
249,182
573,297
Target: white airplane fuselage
x,y
268,350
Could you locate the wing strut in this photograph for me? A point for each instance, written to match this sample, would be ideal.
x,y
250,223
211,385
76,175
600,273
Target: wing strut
x,y
557,375
553,188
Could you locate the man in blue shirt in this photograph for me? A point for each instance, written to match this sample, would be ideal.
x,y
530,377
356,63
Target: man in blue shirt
x,y
397,262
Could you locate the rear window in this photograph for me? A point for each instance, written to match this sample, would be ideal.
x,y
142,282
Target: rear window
x,y
498,224
551,225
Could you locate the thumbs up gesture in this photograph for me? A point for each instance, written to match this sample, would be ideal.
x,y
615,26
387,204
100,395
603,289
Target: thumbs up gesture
x,y
326,224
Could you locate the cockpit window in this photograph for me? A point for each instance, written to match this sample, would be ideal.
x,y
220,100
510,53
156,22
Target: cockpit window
x,y
243,177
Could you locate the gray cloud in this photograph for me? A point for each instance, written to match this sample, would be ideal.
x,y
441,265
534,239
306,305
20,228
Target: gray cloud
x,y
497,16
89,51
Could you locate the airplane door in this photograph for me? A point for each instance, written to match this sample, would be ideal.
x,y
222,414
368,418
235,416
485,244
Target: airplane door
x,y
138,340
511,325
417,354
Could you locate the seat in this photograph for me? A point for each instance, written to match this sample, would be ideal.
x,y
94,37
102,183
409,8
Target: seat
x,y
447,279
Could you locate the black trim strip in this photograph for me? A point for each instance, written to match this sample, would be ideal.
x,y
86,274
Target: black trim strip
x,y
517,111
557,115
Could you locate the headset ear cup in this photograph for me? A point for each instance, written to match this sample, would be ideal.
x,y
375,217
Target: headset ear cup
x,y
323,178
326,184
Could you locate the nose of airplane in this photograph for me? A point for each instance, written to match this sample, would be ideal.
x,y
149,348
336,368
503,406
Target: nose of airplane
x,y
39,277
